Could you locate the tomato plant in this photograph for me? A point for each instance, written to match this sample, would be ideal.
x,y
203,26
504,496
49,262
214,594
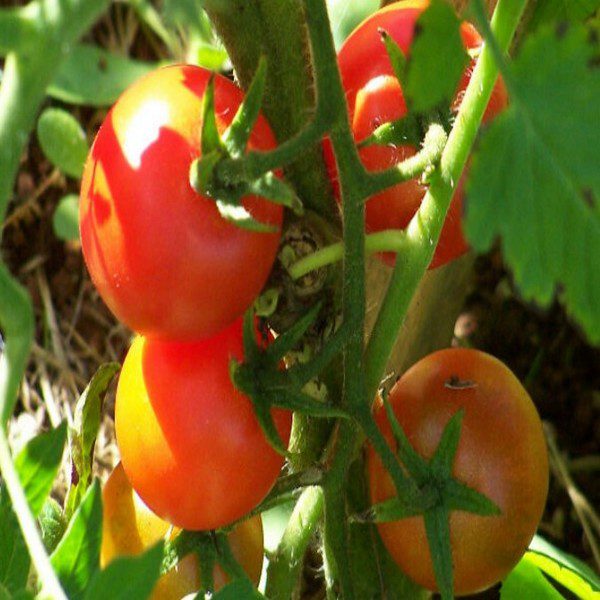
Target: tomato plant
x,y
190,443
161,256
129,527
374,97
501,453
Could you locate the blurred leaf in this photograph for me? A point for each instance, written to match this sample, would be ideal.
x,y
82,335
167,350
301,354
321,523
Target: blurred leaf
x,y
552,11
239,589
86,424
63,141
535,180
209,56
37,465
93,76
127,578
77,556
345,16
52,523
568,570
65,220
14,556
437,59
526,582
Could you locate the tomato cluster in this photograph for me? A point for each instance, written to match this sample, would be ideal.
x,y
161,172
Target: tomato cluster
x,y
374,97
173,269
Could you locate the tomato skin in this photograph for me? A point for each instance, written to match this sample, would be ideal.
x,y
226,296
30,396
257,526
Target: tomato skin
x,y
190,442
501,453
129,528
374,97
163,259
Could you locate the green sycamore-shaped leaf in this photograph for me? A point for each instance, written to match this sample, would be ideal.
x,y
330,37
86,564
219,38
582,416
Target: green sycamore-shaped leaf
x,y
38,463
77,556
127,578
437,59
437,528
65,221
535,181
568,570
63,141
52,523
238,133
93,76
82,435
552,11
526,582
14,556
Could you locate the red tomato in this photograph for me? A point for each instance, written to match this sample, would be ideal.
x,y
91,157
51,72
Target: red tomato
x,y
163,259
190,442
374,97
501,453
129,527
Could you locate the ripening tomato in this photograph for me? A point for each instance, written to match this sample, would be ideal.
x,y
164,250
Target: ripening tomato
x,y
129,527
501,453
163,259
190,442
374,97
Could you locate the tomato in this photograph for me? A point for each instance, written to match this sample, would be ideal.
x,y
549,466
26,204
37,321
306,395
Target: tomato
x,y
190,442
374,97
501,453
129,527
163,259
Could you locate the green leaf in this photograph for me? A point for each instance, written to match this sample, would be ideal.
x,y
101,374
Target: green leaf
x,y
437,527
127,578
209,56
77,556
14,556
86,424
437,59
52,523
535,180
92,76
568,570
65,220
526,582
383,512
238,133
458,496
345,16
240,217
210,138
552,11
240,589
37,465
4,593
63,141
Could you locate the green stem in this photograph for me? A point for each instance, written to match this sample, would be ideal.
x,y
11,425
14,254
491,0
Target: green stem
x,y
424,230
286,564
50,585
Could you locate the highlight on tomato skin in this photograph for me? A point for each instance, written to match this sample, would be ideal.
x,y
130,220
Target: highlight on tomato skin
x,y
501,453
129,528
374,96
190,442
160,254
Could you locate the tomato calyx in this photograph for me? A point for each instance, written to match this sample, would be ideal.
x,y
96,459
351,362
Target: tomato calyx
x,y
209,180
439,494
261,378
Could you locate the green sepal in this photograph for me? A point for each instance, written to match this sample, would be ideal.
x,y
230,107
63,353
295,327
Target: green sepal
x,y
298,401
201,171
396,56
404,131
226,559
238,133
262,410
210,138
238,215
443,459
252,353
437,527
458,496
272,188
384,512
